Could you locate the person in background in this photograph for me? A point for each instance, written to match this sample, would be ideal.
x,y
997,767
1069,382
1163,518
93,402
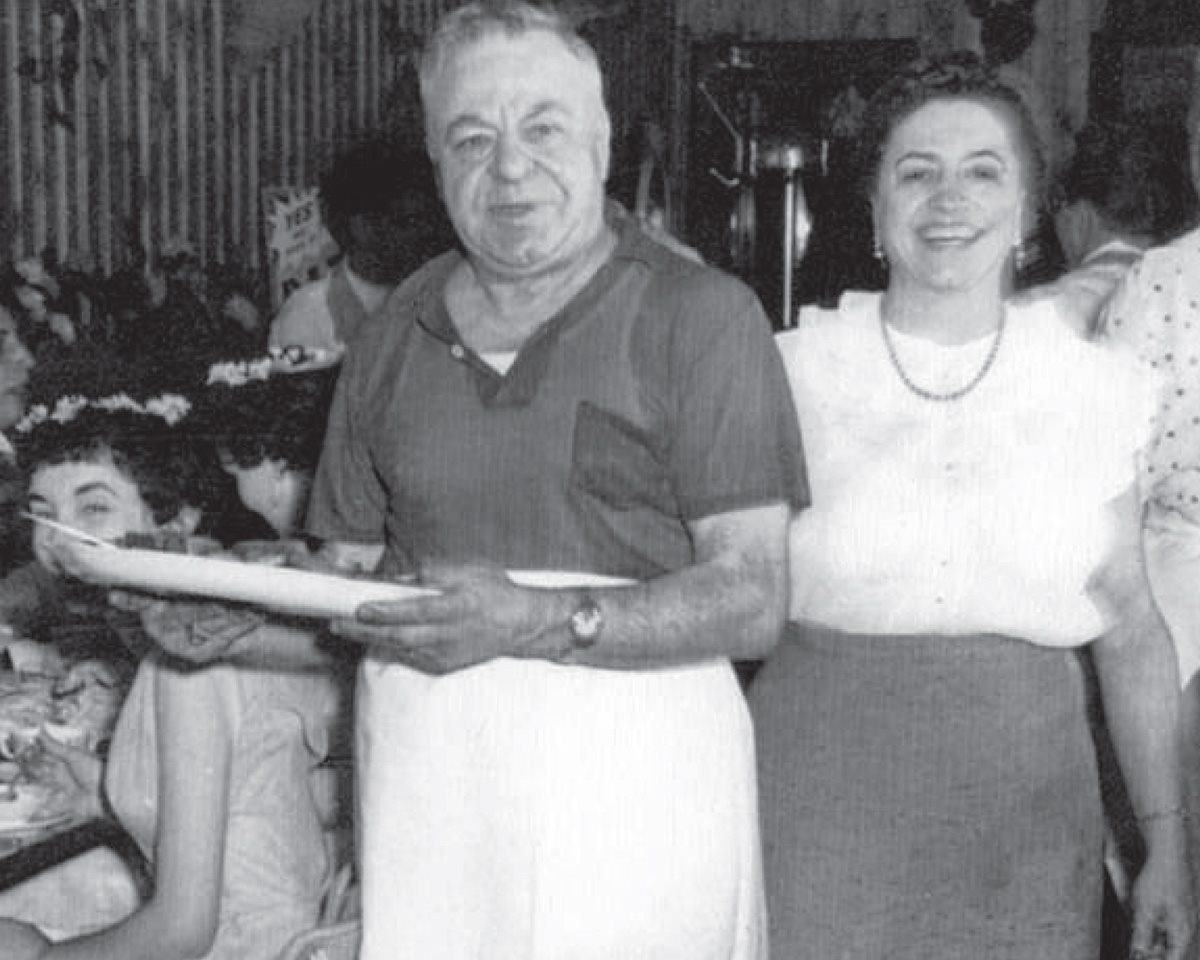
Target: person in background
x,y
42,307
209,770
1154,317
179,323
570,758
265,416
16,364
241,323
379,204
1122,192
928,783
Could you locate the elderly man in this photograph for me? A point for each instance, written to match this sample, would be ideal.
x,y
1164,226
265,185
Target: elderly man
x,y
556,763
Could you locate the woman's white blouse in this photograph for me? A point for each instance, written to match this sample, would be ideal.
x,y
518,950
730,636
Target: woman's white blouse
x,y
987,514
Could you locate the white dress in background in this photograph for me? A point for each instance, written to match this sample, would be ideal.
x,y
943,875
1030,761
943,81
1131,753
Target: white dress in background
x,y
1155,317
276,859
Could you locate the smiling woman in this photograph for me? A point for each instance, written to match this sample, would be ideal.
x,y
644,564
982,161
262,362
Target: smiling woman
x,y
927,779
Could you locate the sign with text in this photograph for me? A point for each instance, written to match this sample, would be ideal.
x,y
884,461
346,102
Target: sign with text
x,y
299,248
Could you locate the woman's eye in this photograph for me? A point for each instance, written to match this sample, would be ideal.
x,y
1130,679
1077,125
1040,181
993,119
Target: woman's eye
x,y
916,174
985,172
95,510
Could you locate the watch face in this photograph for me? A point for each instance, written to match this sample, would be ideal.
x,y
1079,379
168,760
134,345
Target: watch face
x,y
586,622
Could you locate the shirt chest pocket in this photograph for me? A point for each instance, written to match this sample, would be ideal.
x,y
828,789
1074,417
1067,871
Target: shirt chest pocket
x,y
616,462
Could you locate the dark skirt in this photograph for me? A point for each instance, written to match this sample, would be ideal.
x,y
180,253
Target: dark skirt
x,y
926,797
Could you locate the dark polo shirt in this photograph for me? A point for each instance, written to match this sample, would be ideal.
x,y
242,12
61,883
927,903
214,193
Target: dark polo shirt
x,y
655,398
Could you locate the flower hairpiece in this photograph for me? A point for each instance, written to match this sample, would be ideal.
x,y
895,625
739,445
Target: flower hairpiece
x,y
290,359
168,407
237,373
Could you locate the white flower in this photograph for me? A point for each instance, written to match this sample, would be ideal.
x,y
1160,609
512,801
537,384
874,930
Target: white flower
x,y
170,406
118,401
67,408
239,373
33,416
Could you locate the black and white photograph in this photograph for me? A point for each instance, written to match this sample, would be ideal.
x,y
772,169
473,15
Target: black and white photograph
x,y
599,480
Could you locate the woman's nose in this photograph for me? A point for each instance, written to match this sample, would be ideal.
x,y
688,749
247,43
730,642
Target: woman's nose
x,y
950,193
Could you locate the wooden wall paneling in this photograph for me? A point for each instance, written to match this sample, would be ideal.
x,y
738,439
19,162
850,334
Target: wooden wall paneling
x,y
122,142
216,134
187,97
38,160
139,94
98,174
59,100
315,120
172,136
364,67
285,116
73,141
13,128
302,149
251,218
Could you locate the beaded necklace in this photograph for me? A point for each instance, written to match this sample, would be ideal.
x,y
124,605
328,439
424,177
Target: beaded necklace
x,y
953,395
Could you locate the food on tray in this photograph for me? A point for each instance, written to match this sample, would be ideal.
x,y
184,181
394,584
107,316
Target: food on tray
x,y
170,541
81,713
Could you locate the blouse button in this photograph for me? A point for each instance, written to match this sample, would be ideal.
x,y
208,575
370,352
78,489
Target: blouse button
x,y
457,352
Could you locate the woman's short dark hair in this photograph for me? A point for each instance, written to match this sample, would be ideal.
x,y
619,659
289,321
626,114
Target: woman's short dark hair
x,y
961,75
280,418
161,460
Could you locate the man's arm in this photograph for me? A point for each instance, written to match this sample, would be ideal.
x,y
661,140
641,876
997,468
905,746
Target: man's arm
x,y
729,603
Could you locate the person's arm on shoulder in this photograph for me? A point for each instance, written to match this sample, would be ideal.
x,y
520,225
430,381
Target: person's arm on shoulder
x,y
195,750
1136,667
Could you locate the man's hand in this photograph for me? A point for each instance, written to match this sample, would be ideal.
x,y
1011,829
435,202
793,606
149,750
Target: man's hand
x,y
477,615
198,631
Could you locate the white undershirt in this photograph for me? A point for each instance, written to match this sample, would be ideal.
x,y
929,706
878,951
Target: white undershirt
x,y
499,360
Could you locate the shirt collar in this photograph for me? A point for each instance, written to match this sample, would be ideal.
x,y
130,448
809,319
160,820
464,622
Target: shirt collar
x,y
519,385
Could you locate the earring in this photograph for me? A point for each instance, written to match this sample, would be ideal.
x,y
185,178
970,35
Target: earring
x,y
877,250
1019,254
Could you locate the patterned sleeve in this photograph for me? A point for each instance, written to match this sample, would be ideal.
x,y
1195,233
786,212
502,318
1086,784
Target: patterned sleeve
x,y
1154,318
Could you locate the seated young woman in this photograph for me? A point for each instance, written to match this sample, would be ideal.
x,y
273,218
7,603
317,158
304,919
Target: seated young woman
x,y
209,769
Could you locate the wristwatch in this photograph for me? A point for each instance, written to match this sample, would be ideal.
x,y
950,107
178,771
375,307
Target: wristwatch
x,y
585,623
